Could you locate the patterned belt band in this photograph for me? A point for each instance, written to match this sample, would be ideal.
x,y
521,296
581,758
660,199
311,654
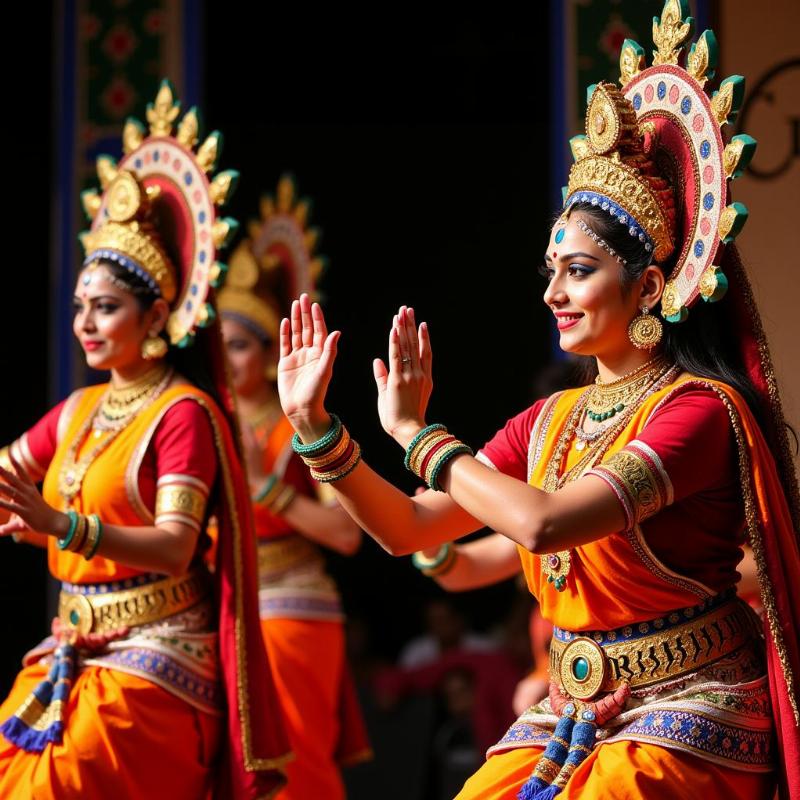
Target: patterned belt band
x,y
276,556
587,664
96,608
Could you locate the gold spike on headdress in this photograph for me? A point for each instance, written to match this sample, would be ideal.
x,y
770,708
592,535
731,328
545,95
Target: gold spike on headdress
x,y
162,167
660,132
275,265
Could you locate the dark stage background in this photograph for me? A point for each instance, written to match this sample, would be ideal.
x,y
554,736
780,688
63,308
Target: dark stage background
x,y
422,141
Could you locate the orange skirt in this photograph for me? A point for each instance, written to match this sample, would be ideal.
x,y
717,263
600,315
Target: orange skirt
x,y
307,659
125,738
622,771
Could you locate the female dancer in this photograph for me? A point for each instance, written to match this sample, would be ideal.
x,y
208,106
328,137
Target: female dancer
x,y
130,694
300,608
625,497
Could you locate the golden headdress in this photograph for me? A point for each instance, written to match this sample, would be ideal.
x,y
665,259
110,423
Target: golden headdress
x,y
274,265
653,157
157,214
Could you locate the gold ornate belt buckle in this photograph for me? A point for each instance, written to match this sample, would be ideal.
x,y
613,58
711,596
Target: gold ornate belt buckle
x,y
76,612
582,670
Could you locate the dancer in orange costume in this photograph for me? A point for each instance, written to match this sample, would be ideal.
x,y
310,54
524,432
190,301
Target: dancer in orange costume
x,y
629,498
301,614
154,682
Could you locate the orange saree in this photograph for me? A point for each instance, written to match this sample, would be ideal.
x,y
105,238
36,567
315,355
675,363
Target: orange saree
x,y
148,712
679,467
302,626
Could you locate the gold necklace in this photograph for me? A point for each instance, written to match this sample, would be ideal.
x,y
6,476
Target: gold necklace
x,y
606,400
120,405
556,566
73,469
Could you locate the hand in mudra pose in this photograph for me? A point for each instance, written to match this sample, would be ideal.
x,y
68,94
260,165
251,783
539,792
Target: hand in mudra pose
x,y
306,366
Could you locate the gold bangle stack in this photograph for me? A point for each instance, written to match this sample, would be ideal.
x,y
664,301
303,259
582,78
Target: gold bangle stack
x,y
84,535
94,533
430,450
335,456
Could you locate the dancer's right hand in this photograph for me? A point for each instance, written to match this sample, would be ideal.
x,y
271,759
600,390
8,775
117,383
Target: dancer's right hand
x,y
305,369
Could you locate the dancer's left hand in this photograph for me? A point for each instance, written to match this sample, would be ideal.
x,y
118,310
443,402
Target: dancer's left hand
x,y
29,511
405,387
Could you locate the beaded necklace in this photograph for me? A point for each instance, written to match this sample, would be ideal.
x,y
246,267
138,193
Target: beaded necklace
x,y
120,405
660,373
609,399
73,469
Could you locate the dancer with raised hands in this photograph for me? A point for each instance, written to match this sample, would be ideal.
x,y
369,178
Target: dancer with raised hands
x,y
629,498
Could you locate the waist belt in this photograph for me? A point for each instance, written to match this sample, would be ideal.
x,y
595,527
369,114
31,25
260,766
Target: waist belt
x,y
586,664
92,608
276,556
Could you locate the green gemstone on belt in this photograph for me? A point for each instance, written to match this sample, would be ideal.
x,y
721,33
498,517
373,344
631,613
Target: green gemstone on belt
x,y
74,617
580,668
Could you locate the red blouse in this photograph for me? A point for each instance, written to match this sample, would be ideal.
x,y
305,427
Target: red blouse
x,y
701,532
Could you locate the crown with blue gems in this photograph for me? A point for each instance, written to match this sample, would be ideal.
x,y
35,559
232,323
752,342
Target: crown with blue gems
x,y
654,157
157,212
130,238
614,172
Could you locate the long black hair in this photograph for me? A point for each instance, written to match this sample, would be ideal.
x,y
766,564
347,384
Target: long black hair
x,y
187,361
702,345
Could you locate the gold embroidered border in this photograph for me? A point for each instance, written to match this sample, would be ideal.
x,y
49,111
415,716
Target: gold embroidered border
x,y
134,465
638,479
67,412
177,501
539,431
751,516
784,455
639,544
757,543
251,762
20,451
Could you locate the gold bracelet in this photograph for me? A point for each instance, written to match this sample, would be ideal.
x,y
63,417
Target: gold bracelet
x,y
421,451
341,472
320,462
82,529
423,447
92,535
438,456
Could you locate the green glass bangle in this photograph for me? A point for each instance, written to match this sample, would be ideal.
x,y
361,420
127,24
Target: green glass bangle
x,y
90,554
443,461
421,562
417,439
64,543
265,489
321,445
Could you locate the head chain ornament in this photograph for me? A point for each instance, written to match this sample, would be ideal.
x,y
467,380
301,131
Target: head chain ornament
x,y
601,243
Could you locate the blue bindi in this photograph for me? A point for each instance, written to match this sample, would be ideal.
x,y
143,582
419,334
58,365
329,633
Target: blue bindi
x,y
560,236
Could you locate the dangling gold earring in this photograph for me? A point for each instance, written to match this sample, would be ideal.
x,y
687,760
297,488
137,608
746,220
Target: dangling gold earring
x,y
153,347
645,330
